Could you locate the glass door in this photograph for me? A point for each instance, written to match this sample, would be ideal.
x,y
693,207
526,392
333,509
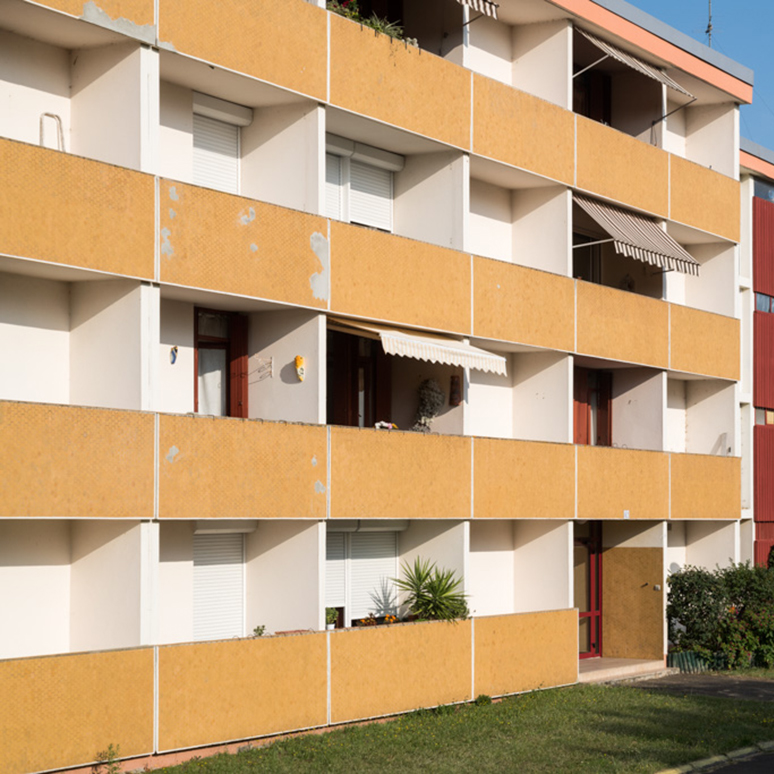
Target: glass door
x,y
587,556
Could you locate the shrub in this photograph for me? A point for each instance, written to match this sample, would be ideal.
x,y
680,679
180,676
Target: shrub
x,y
696,603
432,594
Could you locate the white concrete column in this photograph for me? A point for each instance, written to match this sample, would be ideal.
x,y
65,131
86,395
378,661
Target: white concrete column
x,y
149,583
150,342
149,110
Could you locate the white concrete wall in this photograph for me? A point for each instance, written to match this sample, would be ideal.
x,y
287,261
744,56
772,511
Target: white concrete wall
x,y
637,409
712,137
281,336
35,583
746,189
490,404
105,344
674,416
442,542
710,408
542,561
542,397
746,540
176,380
542,59
430,198
490,577
673,130
710,291
633,534
710,544
407,376
106,103
175,599
105,582
281,152
34,339
541,229
490,222
489,50
176,132
282,576
34,79
674,556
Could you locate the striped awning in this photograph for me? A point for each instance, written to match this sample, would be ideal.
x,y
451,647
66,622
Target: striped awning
x,y
486,7
426,346
634,62
639,237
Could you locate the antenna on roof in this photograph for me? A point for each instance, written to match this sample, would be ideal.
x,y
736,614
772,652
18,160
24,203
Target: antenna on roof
x,y
708,31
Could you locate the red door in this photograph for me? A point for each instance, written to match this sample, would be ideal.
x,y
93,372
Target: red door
x,y
588,587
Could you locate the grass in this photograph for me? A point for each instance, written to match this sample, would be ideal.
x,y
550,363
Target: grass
x,y
585,728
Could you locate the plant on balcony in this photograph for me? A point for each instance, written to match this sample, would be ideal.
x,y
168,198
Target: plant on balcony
x,y
350,9
431,401
432,594
372,620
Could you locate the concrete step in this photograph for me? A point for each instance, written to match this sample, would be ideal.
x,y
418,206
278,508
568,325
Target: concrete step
x,y
611,670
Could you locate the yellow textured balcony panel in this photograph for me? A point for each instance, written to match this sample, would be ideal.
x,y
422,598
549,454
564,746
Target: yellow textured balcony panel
x,y
384,277
65,209
221,242
705,487
704,343
382,78
522,130
396,475
236,468
233,34
524,652
386,669
634,610
705,199
618,325
614,165
66,462
513,303
523,480
215,691
138,12
622,483
61,710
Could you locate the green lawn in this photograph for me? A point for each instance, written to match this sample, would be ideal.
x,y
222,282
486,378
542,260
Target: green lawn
x,y
593,729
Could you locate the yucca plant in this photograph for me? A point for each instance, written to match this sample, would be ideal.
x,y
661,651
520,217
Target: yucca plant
x,y
432,594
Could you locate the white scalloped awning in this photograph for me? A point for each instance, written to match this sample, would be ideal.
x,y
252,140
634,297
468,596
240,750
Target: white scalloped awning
x,y
486,7
639,237
634,62
428,347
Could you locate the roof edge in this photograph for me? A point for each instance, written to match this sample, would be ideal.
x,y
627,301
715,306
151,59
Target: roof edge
x,y
759,151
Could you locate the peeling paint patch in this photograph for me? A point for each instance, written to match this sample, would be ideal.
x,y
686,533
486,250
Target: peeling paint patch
x,y
254,247
247,218
314,461
93,14
172,213
173,194
172,453
166,245
319,487
319,280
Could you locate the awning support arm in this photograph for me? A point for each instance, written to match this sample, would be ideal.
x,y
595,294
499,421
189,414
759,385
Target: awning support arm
x,y
591,244
593,64
664,118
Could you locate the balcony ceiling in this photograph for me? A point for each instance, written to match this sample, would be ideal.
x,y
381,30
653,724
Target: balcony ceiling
x,y
528,11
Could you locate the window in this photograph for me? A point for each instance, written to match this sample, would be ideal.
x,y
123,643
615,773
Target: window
x,y
359,183
359,568
216,142
593,393
764,303
220,358
218,593
587,258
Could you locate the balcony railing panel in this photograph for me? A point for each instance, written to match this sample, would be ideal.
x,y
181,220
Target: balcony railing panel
x,y
704,343
705,487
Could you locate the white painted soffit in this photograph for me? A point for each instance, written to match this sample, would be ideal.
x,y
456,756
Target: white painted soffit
x,y
433,349
634,62
639,237
487,7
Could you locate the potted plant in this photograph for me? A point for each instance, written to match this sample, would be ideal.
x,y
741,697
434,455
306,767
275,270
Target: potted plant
x,y
432,594
331,616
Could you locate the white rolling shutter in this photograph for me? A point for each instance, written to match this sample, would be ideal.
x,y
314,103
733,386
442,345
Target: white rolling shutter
x,y
218,595
373,563
370,195
333,186
216,154
335,570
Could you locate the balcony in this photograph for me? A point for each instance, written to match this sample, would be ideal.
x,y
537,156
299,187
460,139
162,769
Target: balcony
x,y
703,343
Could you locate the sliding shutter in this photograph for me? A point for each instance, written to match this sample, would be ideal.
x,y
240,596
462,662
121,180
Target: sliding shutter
x,y
373,564
216,154
333,186
370,195
335,570
218,598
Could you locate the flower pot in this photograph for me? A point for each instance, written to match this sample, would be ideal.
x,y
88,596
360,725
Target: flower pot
x,y
330,626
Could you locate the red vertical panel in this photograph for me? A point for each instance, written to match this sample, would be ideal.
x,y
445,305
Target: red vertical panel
x,y
238,367
765,531
763,360
581,407
763,246
764,472
762,548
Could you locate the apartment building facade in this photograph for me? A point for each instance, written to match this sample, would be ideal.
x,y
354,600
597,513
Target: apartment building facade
x,y
237,238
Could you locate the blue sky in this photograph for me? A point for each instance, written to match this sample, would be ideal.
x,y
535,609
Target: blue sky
x,y
742,30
